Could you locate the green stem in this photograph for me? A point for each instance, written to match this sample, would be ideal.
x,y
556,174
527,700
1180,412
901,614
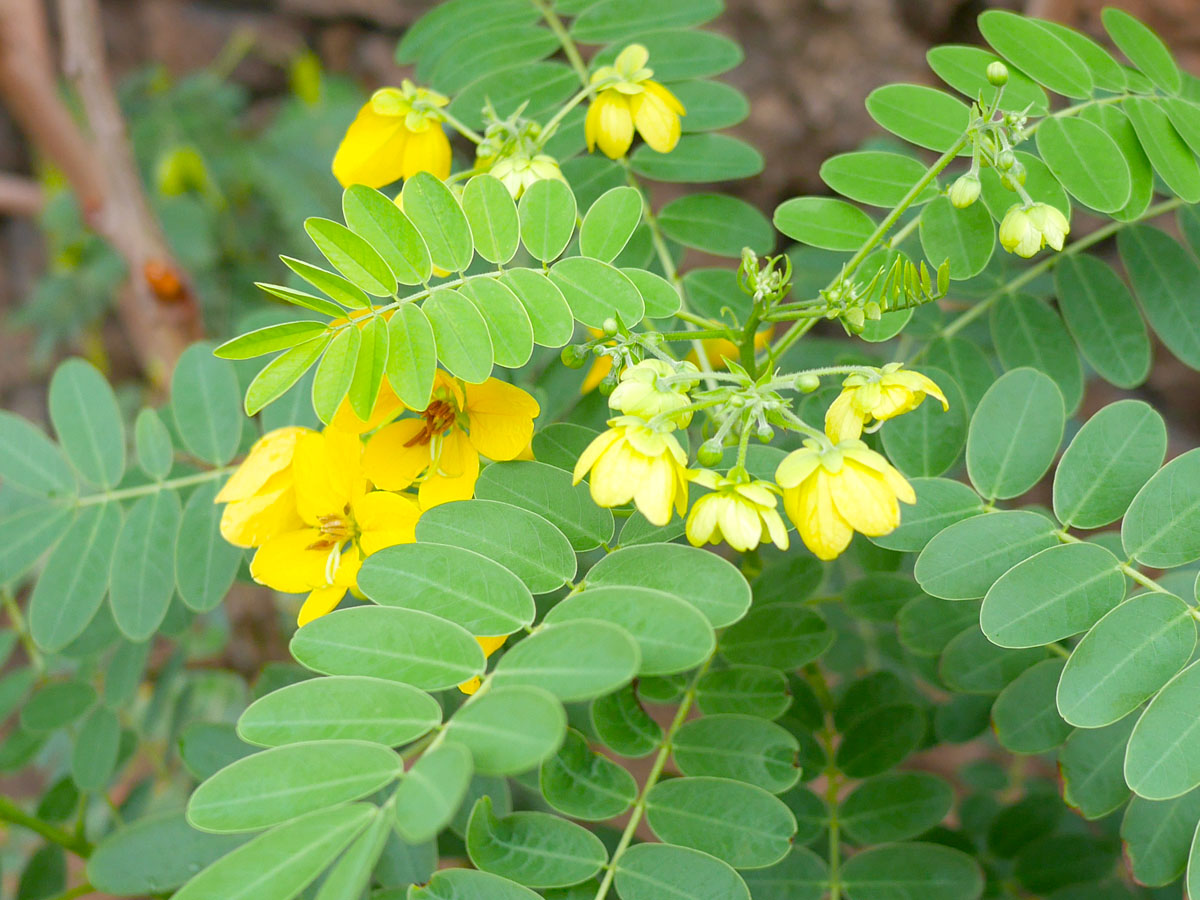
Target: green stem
x,y
22,629
746,345
708,334
564,39
80,890
143,490
1128,570
13,814
466,131
656,770
833,777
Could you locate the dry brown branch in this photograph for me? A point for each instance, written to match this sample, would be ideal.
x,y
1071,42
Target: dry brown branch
x,y
19,196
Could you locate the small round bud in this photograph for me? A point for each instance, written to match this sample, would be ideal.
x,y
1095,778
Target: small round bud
x,y
710,453
806,383
572,356
855,319
609,383
1006,160
609,326
964,191
736,402
997,73
764,433
1018,172
874,313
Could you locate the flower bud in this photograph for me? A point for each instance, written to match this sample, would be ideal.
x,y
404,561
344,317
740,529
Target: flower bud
x,y
874,313
1018,233
573,356
710,452
1005,160
806,383
609,326
855,319
609,383
764,433
997,73
964,191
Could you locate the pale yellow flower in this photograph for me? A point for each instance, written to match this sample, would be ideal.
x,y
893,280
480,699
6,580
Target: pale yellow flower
x,y
519,172
832,491
641,391
891,392
740,512
395,135
631,462
633,102
1026,231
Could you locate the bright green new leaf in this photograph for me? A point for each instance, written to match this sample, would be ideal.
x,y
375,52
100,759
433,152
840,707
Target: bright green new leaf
x,y
461,334
492,215
379,221
440,219
609,223
431,792
412,355
547,214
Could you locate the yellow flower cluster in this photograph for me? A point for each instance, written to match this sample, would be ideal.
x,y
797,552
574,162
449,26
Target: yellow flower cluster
x,y
315,504
631,102
832,487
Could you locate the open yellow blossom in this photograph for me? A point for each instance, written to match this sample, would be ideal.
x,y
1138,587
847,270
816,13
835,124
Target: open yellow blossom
x,y
261,494
741,513
632,102
341,521
395,135
633,462
891,392
489,645
387,407
832,491
440,450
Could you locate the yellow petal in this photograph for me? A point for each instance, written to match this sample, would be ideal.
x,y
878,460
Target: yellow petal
x,y
270,455
470,687
427,151
811,509
320,602
387,406
389,463
385,519
490,645
372,152
501,418
656,122
670,100
702,524
614,128
842,420
864,499
253,521
654,491
328,470
294,562
440,487
593,452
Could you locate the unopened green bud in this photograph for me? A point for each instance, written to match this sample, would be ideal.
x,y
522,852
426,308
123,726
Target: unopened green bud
x,y
1006,160
855,319
609,383
710,452
806,383
964,191
764,433
997,73
609,326
737,402
573,356
873,311
1013,177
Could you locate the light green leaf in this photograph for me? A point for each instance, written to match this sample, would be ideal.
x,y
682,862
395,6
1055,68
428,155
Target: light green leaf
x,y
743,748
597,291
710,104
928,871
507,322
547,214
205,563
920,115
1107,73
533,848
1114,121
369,367
270,339
875,177
964,560
610,223
615,20
351,874
665,872
57,704
1166,280
965,237
1162,527
431,792
1144,48
379,221
545,305
940,503
575,660
340,289
1087,161
411,356
335,372
510,729
31,530
1038,52
352,256
1103,319
204,401
492,215
1014,434
461,334
469,884
441,221
824,222
547,491
282,372
965,69
309,301
142,578
586,785
84,411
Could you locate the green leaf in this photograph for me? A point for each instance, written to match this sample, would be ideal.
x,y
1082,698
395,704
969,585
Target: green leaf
x,y
156,853
72,586
351,255
610,223
1107,463
929,440
659,296
1161,760
1014,434
1087,161
965,237
717,224
824,222
743,748
705,580
802,875
920,115
282,372
94,757
1055,594
1114,121
299,851
533,848
204,401
492,215
344,292
485,49
1144,48
57,704
1185,117
586,785
940,503
351,874
451,582
507,322
340,708
536,89
270,339
431,792
623,725
736,822
142,578
469,884
283,783
1091,763
1157,837
698,158
379,221
336,372
1103,319
309,301
397,644
84,411
1025,717
461,334
964,560
575,660
30,461
965,69
966,362
710,104
672,635
547,491
1038,52
32,530
895,807
749,690
971,664
615,20
781,635
665,872
369,367
1125,659
545,305
510,729
411,355
1107,73
1166,280
521,541
1162,527
205,564
875,177
440,220
596,291
884,738
928,871
1168,153
547,214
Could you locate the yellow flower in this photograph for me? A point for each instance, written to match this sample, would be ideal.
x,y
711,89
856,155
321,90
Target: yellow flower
x,y
641,394
441,449
387,407
489,645
891,392
719,351
517,173
632,102
396,134
832,491
632,462
741,513
261,494
1026,231
341,522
